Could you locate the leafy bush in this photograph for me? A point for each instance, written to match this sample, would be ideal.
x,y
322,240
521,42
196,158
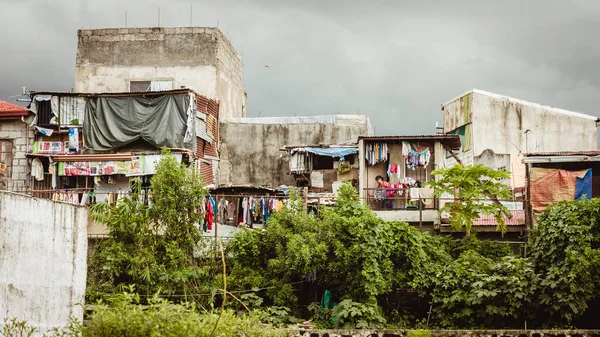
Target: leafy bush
x,y
124,316
480,292
564,248
349,315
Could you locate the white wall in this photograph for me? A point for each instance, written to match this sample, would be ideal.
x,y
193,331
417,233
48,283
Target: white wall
x,y
43,251
499,124
92,78
430,215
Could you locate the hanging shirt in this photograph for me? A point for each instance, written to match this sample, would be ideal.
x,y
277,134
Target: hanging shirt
x,y
214,204
245,210
37,169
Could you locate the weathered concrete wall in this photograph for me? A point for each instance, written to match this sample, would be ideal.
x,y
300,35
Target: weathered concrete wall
x,y
499,124
196,57
43,250
449,333
15,132
250,147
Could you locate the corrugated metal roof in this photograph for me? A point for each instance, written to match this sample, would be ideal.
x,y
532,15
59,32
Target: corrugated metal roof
x,y
563,153
453,141
518,219
123,93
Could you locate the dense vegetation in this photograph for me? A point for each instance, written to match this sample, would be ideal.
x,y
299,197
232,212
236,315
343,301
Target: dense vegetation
x,y
380,273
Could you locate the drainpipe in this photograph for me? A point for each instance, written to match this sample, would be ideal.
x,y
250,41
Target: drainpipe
x,y
26,134
26,148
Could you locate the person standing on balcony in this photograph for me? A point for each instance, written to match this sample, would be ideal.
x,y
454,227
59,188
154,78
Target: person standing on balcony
x,y
382,184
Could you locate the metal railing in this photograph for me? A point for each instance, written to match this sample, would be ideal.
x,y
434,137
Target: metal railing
x,y
394,199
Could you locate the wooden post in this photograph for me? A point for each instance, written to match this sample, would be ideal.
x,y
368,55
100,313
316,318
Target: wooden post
x,y
305,196
420,214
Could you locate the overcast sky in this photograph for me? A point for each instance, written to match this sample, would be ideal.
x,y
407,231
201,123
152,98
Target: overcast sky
x,y
395,61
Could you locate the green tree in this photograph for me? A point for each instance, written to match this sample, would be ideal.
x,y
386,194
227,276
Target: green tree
x,y
471,186
152,247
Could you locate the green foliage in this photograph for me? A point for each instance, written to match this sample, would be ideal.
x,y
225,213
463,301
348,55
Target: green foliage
x,y
124,316
350,315
15,328
355,254
277,316
363,260
564,247
152,247
472,185
418,333
478,291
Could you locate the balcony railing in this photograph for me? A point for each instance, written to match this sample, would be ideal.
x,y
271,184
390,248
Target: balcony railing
x,y
390,199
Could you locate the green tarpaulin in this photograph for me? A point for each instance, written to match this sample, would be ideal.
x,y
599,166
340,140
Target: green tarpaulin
x,y
163,121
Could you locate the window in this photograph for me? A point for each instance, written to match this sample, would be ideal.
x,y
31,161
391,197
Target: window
x,y
156,85
6,158
135,86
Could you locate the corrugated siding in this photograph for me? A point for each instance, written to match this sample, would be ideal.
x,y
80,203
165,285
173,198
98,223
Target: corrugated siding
x,y
207,173
210,150
207,127
458,113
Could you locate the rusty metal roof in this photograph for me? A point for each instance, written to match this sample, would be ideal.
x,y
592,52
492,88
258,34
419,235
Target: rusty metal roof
x,y
453,141
518,219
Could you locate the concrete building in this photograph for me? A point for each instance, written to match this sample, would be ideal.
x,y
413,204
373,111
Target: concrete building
x,y
43,256
151,59
496,130
15,137
250,147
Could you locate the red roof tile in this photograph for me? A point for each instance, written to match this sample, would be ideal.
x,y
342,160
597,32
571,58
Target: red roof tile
x,y
12,111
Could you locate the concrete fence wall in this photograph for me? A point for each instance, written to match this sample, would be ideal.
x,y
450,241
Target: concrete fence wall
x,y
43,251
449,333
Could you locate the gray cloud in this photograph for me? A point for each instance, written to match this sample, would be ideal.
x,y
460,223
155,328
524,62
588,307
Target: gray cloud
x,y
396,61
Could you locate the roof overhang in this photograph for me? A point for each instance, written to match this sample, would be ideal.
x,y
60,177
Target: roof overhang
x,y
451,141
124,156
560,159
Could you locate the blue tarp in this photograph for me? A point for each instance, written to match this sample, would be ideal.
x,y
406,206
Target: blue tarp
x,y
335,152
584,186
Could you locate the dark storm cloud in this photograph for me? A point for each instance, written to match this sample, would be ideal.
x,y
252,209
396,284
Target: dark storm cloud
x,y
396,61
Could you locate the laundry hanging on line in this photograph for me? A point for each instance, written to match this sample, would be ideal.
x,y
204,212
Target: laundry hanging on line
x,y
413,158
376,153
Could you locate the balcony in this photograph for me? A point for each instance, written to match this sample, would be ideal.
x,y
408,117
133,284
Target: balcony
x,y
415,206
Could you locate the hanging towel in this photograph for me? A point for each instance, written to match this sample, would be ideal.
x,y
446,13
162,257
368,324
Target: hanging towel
x,y
426,194
414,194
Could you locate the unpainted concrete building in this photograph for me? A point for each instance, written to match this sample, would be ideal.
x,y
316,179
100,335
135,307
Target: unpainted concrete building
x,y
250,147
496,130
15,136
153,59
